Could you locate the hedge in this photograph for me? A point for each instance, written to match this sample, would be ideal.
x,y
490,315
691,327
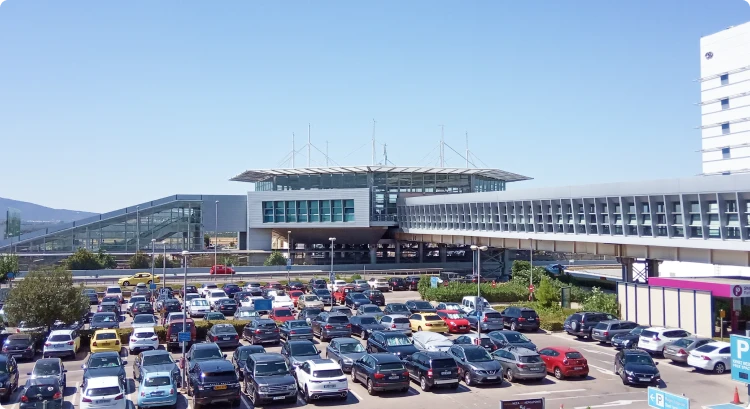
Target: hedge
x,y
454,292
201,329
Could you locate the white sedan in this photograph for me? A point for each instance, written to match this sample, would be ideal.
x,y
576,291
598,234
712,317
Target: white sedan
x,y
283,301
198,307
714,356
215,296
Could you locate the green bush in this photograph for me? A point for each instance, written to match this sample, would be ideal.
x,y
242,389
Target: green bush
x,y
355,277
139,260
454,292
547,295
598,300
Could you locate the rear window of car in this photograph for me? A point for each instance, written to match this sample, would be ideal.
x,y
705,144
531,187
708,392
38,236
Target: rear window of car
x,y
530,359
18,341
492,315
219,376
401,320
338,319
601,325
328,373
108,391
528,314
391,366
595,317
114,290
682,343
158,381
106,335
648,334
177,326
432,318
59,338
267,325
144,334
573,355
707,348
45,391
443,363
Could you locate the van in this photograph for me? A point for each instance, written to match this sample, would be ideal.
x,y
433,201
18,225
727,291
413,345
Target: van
x,y
470,303
175,328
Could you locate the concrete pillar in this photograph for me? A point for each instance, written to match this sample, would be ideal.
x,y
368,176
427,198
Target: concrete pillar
x,y
507,264
420,252
627,269
398,252
652,268
373,254
443,253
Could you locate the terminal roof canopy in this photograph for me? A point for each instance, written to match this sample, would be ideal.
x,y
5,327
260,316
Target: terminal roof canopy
x,y
268,174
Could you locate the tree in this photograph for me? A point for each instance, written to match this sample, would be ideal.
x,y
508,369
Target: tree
x,y
83,259
600,301
45,296
106,260
547,294
139,260
275,259
8,264
206,240
159,262
520,265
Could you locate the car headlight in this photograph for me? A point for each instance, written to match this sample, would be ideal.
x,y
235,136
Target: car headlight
x,y
657,375
264,388
629,373
291,387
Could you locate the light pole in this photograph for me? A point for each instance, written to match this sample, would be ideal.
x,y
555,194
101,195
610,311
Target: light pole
x,y
216,232
478,257
153,261
531,269
137,229
185,254
289,245
331,276
164,264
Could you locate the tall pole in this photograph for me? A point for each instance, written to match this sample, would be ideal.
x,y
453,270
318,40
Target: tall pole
x,y
293,151
164,265
216,232
309,145
476,250
326,153
330,275
442,146
289,246
373,142
137,229
185,254
531,268
153,260
467,149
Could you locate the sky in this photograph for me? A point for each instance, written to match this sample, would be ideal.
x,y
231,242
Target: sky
x,y
108,104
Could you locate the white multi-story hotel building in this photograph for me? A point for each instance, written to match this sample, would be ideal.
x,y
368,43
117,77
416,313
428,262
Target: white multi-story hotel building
x,y
725,101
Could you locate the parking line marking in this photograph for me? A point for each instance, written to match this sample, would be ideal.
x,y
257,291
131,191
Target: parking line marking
x,y
359,398
597,395
75,396
603,370
548,392
594,351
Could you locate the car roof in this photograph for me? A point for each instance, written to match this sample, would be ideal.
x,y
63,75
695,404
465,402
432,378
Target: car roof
x,y
143,329
561,349
153,374
523,351
216,364
61,332
155,352
323,364
635,352
346,340
251,347
205,345
437,354
719,344
102,382
658,329
383,358
48,360
299,342
267,357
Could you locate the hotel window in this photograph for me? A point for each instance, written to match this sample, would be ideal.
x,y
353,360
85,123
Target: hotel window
x,y
338,211
279,212
291,211
725,153
725,103
725,128
724,79
325,210
349,210
267,212
314,214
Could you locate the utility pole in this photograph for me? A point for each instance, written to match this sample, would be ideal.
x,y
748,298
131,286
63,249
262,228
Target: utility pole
x,y
293,151
467,149
309,145
442,146
385,154
373,142
326,153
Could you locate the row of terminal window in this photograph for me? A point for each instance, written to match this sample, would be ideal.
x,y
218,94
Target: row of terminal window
x,y
308,211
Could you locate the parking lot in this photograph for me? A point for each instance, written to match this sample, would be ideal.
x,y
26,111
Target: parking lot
x,y
601,389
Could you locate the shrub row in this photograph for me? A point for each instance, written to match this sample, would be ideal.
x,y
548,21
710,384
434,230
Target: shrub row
x,y
201,329
504,292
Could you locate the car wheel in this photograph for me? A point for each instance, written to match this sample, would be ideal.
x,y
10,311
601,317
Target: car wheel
x,y
370,390
512,326
423,384
419,328
558,373
509,375
306,395
149,282
467,378
719,368
354,376
126,283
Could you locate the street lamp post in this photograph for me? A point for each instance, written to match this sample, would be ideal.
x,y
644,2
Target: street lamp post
x,y
153,261
531,269
185,254
478,257
216,232
331,276
289,245
137,229
164,264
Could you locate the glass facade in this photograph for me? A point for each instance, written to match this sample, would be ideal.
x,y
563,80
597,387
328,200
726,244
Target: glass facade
x,y
308,211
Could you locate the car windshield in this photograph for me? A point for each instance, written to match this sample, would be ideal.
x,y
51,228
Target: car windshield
x,y
323,292
283,313
158,381
271,368
398,308
199,303
648,334
224,329
637,330
214,316
367,321
516,337
601,325
400,320
228,301
477,355
310,312
638,359
104,318
107,361
46,368
397,341
143,319
267,325
207,353
303,350
209,286
351,348
17,341
298,324
248,313
218,294
159,359
310,298
134,300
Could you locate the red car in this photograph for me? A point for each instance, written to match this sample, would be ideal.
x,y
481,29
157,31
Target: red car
x,y
221,269
563,362
281,315
455,322
294,295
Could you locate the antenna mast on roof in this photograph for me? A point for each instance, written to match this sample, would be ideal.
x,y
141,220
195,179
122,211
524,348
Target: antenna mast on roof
x,y
293,151
385,154
309,145
442,146
373,142
326,153
467,149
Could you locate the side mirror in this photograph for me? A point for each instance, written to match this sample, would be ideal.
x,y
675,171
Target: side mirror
x,y
83,366
124,362
224,355
64,371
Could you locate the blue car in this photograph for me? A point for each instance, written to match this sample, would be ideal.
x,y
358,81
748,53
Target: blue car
x,y
157,389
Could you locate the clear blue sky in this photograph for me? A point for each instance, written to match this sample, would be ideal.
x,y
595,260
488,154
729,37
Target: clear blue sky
x,y
105,104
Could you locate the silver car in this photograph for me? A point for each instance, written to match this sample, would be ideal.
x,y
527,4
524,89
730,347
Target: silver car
x,y
605,330
520,364
396,323
678,351
360,285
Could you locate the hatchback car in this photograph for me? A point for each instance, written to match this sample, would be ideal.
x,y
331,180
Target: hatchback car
x,y
380,372
157,389
8,377
363,326
628,340
102,320
655,339
155,361
397,323
375,296
308,314
345,351
20,345
50,368
678,351
563,362
330,325
371,310
520,364
226,306
104,364
606,330
62,343
520,319
714,356
488,320
455,321
396,309
475,365
105,340
419,306
636,368
141,308
143,339
103,392
224,335
355,300
42,392
397,284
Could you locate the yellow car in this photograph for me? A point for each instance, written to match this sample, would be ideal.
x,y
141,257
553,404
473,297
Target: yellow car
x,y
138,278
105,340
427,322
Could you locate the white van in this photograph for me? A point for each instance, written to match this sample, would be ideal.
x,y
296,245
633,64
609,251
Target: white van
x,y
472,302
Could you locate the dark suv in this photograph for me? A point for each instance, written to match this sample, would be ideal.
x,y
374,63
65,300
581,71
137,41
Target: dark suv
x,y
432,369
213,381
520,318
380,372
261,331
266,378
329,325
397,283
635,367
581,324
392,342
412,282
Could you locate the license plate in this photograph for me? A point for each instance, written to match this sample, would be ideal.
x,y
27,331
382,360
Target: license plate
x,y
644,379
279,397
578,368
536,369
105,344
220,387
226,338
645,340
445,373
329,386
393,377
157,393
101,401
492,377
57,345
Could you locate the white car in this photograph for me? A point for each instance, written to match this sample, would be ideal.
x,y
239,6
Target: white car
x,y
198,307
430,341
282,301
114,291
62,343
249,301
215,296
104,392
206,288
654,339
714,356
471,302
144,320
379,284
134,299
143,339
310,301
336,285
321,378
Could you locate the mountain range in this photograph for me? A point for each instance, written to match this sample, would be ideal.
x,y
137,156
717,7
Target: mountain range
x,y
31,212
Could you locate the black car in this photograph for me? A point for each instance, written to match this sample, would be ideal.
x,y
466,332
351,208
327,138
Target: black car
x,y
329,325
396,308
380,372
354,300
188,289
324,295
105,320
155,361
432,369
316,283
419,306
520,318
212,381
51,368
412,282
295,285
231,289
142,307
475,364
224,335
308,314
204,352
21,346
364,325
261,331
42,392
629,340
238,296
101,364
395,343
375,296
92,295
298,351
582,323
240,355
635,367
109,306
267,378
8,377
397,283
170,305
226,306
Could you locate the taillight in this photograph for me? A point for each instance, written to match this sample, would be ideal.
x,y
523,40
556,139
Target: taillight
x,y
171,391
484,319
117,342
329,327
427,324
275,330
522,319
154,338
47,344
429,373
25,399
706,358
656,337
520,365
292,332
348,325
236,337
565,361
118,397
378,376
406,373
132,340
94,344
393,325
57,395
87,400
682,352
257,331
215,338
606,333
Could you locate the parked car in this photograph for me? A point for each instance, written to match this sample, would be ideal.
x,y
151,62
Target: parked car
x,y
380,372
157,389
309,301
281,315
582,323
138,278
298,351
606,330
363,326
371,310
198,307
354,300
520,319
107,391
105,340
450,306
397,323
430,341
144,320
295,329
419,306
679,350
295,286
92,295
168,305
173,329
8,377
114,291
224,335
212,381
471,303
204,351
520,364
432,369
482,340
50,368
213,298
141,308
143,339
214,316
475,365
308,314
206,288
231,289
654,339
397,284
331,325
714,356
488,320
375,296
344,351
341,309
316,283
245,313
267,378
188,289
325,296
294,295
254,289
379,284
157,360
455,322
412,282
132,300
392,342
564,362
629,340
62,343
636,367
511,338
396,309
240,355
221,269
226,306
261,331
282,301
320,379
427,322
360,285
104,364
337,284
20,346
42,392
239,295
102,320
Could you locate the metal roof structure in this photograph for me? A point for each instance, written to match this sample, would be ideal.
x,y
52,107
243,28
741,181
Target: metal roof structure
x,y
262,175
